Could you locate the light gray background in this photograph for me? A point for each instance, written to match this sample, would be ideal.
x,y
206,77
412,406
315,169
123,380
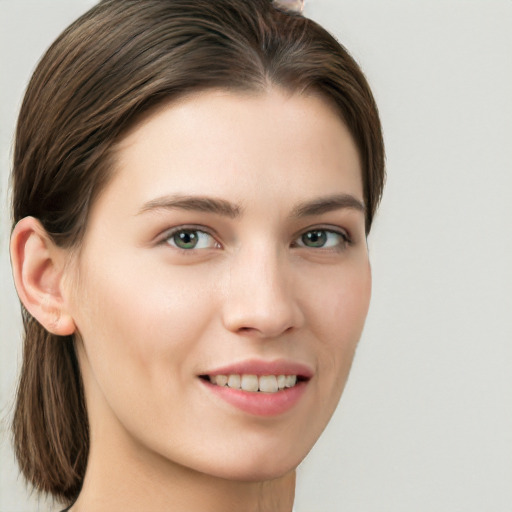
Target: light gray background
x,y
425,424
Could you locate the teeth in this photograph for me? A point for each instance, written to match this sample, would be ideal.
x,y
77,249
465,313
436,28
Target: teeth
x,y
234,381
253,383
290,381
249,383
268,383
221,380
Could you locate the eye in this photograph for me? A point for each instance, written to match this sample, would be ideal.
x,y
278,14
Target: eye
x,y
189,238
323,239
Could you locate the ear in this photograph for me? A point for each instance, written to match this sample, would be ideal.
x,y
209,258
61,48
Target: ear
x,y
38,266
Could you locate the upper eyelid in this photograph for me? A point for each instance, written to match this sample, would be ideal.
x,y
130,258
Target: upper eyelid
x,y
346,239
169,233
330,228
188,227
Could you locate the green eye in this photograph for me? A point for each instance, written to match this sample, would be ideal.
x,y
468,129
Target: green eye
x,y
185,239
323,239
188,239
314,238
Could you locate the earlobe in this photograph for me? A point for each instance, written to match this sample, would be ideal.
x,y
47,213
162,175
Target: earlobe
x,y
38,266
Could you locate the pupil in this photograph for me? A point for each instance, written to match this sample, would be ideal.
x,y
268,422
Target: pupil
x,y
186,239
315,238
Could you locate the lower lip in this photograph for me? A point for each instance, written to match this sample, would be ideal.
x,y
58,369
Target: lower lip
x,y
258,403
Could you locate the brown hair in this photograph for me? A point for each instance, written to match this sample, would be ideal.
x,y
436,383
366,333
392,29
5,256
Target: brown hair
x,y
114,63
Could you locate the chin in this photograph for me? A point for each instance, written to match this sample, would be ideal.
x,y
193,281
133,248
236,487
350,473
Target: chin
x,y
257,466
256,474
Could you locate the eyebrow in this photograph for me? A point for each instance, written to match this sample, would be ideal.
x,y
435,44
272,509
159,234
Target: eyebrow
x,y
225,208
194,203
328,204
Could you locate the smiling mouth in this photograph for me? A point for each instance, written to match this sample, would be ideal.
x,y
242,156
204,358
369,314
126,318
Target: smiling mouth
x,y
255,383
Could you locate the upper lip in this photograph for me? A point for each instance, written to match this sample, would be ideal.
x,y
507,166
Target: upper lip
x,y
261,367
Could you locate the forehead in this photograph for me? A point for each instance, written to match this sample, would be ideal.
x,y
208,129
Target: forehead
x,y
267,145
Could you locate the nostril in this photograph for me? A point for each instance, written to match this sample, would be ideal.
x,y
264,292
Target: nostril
x,y
265,312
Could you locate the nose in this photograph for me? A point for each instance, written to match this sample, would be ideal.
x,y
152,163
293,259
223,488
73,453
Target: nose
x,y
260,299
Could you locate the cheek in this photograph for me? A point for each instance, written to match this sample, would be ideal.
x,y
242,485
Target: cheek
x,y
141,324
342,302
340,318
350,304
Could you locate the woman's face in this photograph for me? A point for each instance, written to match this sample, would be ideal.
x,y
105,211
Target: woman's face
x,y
229,246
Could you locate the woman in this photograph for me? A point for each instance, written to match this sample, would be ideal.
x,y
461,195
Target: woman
x,y
193,184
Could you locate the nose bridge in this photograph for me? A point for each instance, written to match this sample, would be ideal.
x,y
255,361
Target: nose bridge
x,y
260,297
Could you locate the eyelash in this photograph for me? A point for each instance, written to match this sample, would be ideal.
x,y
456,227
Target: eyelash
x,y
184,229
345,239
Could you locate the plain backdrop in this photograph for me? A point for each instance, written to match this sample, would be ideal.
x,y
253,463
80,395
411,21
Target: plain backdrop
x,y
425,424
